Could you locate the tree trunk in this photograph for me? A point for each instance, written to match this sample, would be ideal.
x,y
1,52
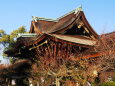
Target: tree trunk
x,y
57,81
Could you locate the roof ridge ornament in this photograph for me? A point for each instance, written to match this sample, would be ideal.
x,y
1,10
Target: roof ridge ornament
x,y
34,18
78,9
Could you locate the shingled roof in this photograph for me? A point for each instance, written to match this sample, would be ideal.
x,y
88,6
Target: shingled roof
x,y
62,23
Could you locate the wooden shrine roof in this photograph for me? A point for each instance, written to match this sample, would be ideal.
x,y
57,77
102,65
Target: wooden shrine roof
x,y
42,25
77,40
27,41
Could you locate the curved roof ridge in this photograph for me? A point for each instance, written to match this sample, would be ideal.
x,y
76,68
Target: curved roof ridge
x,y
35,18
73,11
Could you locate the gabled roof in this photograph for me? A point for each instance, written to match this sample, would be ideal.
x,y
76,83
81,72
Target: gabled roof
x,y
43,25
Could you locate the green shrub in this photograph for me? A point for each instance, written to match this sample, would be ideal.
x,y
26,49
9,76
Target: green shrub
x,y
107,84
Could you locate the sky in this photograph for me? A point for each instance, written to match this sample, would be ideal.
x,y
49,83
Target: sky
x,y
15,13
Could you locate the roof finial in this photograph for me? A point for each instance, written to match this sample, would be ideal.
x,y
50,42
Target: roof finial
x,y
34,18
78,9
